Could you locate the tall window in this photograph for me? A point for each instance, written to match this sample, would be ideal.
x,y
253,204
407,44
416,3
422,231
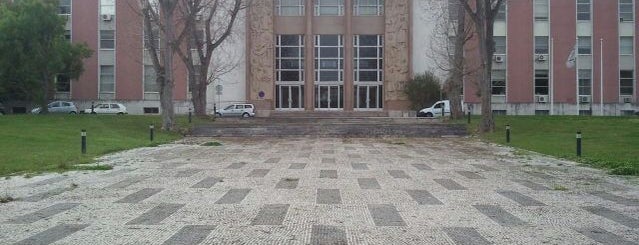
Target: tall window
x,y
626,11
541,82
541,9
329,58
585,45
585,82
501,13
107,39
62,83
64,8
626,81
498,82
107,79
107,7
541,45
626,46
583,9
289,58
150,85
290,7
369,7
500,44
329,7
368,58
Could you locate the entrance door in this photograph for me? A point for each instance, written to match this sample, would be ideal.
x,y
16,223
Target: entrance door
x,y
290,97
329,97
368,97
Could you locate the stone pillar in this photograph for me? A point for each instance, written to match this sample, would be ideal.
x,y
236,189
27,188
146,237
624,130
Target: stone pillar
x,y
261,56
348,57
396,54
309,70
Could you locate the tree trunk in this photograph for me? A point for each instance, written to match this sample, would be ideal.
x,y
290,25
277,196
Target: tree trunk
x,y
166,82
486,47
457,76
44,99
199,97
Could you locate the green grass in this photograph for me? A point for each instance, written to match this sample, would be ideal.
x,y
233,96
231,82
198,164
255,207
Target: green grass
x,y
610,143
32,144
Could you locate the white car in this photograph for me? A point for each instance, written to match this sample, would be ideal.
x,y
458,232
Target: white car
x,y
66,107
243,110
436,109
107,108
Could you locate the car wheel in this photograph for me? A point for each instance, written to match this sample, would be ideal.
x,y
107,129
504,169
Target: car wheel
x,y
218,114
120,113
428,114
245,115
93,113
73,113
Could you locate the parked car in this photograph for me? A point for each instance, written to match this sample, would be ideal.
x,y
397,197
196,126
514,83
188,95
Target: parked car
x,y
107,108
436,109
243,110
58,107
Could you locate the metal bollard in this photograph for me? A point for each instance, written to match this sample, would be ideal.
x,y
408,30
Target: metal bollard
x,y
190,115
151,127
83,136
579,144
469,117
508,133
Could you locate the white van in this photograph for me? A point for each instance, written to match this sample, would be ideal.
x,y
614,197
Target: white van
x,y
436,109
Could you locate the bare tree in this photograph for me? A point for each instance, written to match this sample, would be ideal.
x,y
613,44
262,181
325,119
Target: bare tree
x,y
483,13
208,24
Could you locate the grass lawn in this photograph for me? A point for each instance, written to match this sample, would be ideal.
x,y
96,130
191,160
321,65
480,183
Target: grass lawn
x,y
31,143
610,143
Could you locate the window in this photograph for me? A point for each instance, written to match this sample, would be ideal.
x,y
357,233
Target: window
x,y
585,45
150,85
501,13
107,79
626,13
152,38
626,46
107,39
368,58
62,83
585,82
115,106
626,81
107,7
67,35
64,8
290,7
541,45
541,9
151,110
329,7
500,44
289,58
369,7
541,82
498,82
329,58
583,9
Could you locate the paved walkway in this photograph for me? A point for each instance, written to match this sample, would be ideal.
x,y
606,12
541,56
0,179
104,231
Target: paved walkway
x,y
324,191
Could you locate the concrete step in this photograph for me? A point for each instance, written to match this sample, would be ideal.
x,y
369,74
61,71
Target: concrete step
x,y
324,120
325,114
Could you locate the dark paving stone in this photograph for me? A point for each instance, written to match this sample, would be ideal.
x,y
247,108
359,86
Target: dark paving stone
x,y
52,234
442,161
404,156
233,196
330,174
531,185
43,213
304,155
236,165
450,184
140,195
272,160
465,236
422,167
603,236
374,152
234,151
172,165
190,234
541,175
297,166
328,160
521,198
328,196
258,173
499,215
484,167
44,195
423,197
324,234
187,173
614,198
368,183
117,172
470,175
398,174
385,215
354,156
359,166
128,182
287,184
207,182
48,181
271,214
156,215
328,152
613,215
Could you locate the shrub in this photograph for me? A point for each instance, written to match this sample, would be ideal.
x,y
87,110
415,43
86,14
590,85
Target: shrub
x,y
423,90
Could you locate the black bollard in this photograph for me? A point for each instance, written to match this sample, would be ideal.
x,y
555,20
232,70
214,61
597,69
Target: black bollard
x,y
579,144
508,133
151,127
83,136
469,117
190,115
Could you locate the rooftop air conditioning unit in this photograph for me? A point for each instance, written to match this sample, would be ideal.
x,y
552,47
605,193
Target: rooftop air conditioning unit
x,y
499,59
542,98
107,17
584,98
541,57
627,100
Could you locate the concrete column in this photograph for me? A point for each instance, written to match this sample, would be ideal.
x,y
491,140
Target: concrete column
x,y
348,57
309,70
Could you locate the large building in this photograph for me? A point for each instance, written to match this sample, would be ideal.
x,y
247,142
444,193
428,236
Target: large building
x,y
355,55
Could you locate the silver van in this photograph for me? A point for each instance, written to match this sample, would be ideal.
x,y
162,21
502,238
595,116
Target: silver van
x,y
236,110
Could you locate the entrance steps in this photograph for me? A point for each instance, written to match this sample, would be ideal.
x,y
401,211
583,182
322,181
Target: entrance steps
x,y
328,114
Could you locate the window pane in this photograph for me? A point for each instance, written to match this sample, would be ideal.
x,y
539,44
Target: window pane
x,y
626,45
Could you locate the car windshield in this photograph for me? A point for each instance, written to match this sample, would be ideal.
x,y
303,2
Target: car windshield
x,y
229,107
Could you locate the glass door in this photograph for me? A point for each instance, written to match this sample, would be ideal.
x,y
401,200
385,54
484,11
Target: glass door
x,y
329,97
289,97
368,97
